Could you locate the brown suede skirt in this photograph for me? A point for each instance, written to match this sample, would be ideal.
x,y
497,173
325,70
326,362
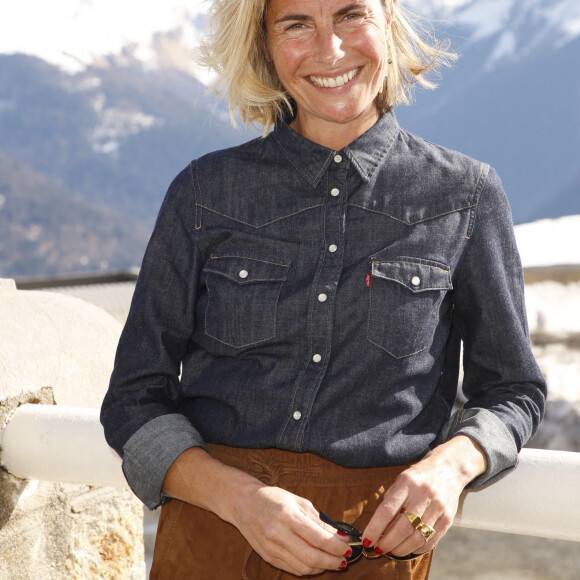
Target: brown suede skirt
x,y
193,543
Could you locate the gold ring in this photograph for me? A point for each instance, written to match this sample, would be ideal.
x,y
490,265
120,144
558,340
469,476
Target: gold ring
x,y
424,529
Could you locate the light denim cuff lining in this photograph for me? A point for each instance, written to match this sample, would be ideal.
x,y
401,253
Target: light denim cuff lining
x,y
150,452
492,435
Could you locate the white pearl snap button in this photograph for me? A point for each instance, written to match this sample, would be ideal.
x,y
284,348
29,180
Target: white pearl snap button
x,y
332,248
415,280
337,158
322,298
316,358
297,415
334,191
243,274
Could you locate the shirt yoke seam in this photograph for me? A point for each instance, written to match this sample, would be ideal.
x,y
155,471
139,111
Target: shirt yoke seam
x,y
197,194
482,180
257,227
415,222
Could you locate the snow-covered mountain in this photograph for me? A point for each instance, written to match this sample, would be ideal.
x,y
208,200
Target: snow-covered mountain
x,y
103,97
550,242
74,34
518,26
77,33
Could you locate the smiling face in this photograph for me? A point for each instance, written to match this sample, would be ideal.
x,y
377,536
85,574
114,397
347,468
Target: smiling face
x,y
331,56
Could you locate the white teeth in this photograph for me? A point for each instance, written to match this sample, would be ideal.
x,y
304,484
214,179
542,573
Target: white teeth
x,y
334,82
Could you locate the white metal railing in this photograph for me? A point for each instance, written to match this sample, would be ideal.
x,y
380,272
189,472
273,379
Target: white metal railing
x,y
67,444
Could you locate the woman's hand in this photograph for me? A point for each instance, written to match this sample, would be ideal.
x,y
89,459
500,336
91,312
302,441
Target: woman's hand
x,y
429,489
287,532
284,529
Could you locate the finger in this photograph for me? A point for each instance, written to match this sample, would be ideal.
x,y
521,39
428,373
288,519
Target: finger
x,y
293,554
325,538
385,516
316,545
415,541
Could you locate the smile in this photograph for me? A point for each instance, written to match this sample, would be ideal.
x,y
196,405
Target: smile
x,y
338,81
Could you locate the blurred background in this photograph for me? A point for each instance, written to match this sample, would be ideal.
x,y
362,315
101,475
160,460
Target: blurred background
x,y
101,105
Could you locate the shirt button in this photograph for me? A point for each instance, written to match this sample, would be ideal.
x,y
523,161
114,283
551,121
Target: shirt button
x,y
415,280
316,358
297,415
337,158
322,298
243,274
332,248
334,191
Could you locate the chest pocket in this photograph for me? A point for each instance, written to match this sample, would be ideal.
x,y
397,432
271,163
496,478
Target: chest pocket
x,y
243,297
405,297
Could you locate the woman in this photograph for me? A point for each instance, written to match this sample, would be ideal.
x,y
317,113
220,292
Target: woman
x,y
293,343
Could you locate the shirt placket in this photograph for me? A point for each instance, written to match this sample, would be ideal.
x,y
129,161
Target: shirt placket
x,y
322,304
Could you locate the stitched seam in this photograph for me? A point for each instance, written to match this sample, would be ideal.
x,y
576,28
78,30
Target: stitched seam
x,y
197,190
409,262
390,139
298,383
247,343
392,354
169,536
215,257
412,223
318,273
476,195
244,282
296,163
328,319
458,419
262,225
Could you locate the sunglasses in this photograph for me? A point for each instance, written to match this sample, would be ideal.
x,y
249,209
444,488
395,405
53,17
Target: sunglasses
x,y
355,542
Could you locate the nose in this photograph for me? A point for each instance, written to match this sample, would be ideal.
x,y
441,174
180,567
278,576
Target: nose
x,y
329,49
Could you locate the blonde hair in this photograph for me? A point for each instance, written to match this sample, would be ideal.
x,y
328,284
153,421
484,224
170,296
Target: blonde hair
x,y
236,49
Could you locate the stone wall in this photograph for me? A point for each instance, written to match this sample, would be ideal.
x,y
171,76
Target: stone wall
x,y
57,350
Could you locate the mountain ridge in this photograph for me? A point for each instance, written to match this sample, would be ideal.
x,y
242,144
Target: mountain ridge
x,y
120,126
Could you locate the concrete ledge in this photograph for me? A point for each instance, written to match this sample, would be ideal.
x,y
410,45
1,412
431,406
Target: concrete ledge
x,y
67,444
539,499
59,443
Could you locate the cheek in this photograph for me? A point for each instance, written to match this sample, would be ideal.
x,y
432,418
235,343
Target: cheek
x,y
287,61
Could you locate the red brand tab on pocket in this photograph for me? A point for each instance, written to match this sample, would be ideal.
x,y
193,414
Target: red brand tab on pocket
x,y
368,281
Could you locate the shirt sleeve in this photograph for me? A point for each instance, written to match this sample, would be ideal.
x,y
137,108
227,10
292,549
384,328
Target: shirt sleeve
x,y
503,385
140,412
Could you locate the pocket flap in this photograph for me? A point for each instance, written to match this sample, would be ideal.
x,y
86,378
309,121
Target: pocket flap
x,y
415,274
247,270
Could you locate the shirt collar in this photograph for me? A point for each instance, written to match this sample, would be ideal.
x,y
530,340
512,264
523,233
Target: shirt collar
x,y
365,153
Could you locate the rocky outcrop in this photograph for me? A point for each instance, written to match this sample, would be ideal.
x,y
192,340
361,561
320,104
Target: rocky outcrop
x,y
57,350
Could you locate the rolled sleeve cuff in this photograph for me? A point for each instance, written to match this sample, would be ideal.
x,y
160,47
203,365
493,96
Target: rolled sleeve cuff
x,y
492,435
149,453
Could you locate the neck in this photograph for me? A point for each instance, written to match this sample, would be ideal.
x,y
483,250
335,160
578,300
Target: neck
x,y
330,134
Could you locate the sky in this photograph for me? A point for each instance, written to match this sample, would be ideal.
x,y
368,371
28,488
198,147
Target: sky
x,y
70,33
85,28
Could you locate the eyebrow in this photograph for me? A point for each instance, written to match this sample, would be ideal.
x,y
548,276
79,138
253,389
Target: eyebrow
x,y
303,17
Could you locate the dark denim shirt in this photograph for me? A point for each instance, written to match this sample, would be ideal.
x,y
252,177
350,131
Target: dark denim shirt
x,y
296,297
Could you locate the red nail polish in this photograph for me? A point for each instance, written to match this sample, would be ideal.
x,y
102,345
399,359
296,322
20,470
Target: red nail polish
x,y
366,543
348,554
389,554
343,565
341,533
378,550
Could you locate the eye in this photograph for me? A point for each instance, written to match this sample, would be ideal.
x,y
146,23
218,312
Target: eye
x,y
353,16
295,26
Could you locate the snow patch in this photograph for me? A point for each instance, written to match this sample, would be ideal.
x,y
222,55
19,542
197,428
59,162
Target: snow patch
x,y
116,124
549,242
72,34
